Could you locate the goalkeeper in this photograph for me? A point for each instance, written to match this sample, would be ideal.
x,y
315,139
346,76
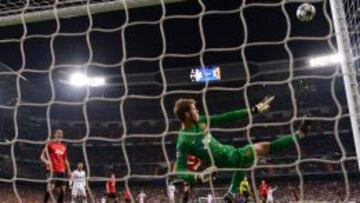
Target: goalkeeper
x,y
195,139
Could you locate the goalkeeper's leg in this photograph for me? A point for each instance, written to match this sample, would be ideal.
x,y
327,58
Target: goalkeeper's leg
x,y
262,149
236,178
284,142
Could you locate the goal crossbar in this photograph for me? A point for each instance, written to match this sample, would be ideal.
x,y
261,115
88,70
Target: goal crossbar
x,y
30,15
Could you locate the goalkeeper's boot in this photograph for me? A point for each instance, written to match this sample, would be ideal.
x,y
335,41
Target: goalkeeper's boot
x,y
304,128
230,198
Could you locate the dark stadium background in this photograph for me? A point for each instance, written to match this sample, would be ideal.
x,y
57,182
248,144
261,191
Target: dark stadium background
x,y
135,127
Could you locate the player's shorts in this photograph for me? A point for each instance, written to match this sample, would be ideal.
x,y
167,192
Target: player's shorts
x,y
263,196
111,195
57,178
245,194
246,156
237,157
78,191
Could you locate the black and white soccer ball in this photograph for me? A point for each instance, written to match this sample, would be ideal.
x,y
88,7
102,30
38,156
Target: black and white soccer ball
x,y
306,12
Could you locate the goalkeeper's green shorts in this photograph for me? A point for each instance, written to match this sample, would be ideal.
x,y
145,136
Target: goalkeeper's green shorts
x,y
237,158
246,156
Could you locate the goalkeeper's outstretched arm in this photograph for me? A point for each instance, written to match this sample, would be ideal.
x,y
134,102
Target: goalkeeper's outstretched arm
x,y
186,111
240,114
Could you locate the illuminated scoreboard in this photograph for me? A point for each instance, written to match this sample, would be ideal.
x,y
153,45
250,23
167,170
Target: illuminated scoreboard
x,y
203,74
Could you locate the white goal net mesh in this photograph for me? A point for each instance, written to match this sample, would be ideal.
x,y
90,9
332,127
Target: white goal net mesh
x,y
145,51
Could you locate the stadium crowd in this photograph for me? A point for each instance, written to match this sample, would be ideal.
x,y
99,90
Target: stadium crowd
x,y
320,191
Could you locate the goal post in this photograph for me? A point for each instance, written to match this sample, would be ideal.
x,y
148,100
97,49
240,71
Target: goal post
x,y
348,67
67,9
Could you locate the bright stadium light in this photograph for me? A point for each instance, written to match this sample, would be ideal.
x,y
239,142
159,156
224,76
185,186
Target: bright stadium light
x,y
80,80
96,81
320,61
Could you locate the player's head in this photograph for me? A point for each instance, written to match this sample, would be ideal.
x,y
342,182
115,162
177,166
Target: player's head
x,y
80,166
263,182
245,178
185,110
111,175
58,134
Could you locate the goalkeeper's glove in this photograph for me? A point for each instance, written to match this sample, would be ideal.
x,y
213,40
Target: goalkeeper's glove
x,y
207,174
263,106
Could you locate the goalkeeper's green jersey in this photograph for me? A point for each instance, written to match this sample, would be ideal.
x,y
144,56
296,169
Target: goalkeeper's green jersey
x,y
197,142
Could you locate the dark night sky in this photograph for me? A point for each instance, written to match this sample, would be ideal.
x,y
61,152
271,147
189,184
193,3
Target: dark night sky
x,y
221,30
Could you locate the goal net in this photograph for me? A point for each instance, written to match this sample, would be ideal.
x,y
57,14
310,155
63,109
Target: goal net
x,y
108,72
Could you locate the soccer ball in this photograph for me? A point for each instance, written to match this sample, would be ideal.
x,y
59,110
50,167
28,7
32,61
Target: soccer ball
x,y
305,12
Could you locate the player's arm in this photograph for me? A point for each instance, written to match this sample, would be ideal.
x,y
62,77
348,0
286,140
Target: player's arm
x,y
239,114
185,174
67,164
71,181
86,183
174,167
107,187
44,156
249,188
180,164
227,117
67,167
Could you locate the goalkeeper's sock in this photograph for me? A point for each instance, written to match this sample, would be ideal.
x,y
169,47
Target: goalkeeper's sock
x,y
288,140
282,143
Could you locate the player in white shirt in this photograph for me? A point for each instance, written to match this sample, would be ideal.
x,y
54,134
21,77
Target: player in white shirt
x,y
141,196
270,198
78,183
209,198
103,199
171,193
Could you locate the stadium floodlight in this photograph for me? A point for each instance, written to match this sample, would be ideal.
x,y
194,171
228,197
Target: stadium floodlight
x,y
326,60
96,81
80,80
